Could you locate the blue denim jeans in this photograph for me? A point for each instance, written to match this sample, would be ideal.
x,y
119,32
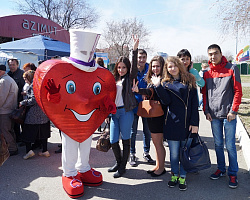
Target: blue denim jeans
x,y
229,131
146,134
121,122
174,149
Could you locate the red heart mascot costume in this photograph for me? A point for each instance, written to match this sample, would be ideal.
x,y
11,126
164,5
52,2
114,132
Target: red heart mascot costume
x,y
77,96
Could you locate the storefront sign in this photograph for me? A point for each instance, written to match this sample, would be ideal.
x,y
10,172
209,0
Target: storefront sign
x,y
23,26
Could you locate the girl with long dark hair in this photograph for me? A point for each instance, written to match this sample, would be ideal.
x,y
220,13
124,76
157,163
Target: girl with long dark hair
x,y
121,122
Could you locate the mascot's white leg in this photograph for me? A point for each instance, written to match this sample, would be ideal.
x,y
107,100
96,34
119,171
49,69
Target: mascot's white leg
x,y
82,164
88,175
69,155
75,165
71,181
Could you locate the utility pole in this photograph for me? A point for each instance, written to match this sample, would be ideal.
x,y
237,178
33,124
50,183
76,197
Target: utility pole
x,y
237,30
236,22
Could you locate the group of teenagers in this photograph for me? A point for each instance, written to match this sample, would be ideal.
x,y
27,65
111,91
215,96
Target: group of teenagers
x,y
174,82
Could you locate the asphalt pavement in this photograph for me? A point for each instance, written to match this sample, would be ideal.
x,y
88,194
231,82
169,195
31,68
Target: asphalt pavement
x,y
40,177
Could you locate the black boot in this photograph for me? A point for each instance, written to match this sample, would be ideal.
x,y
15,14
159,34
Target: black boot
x,y
126,152
117,152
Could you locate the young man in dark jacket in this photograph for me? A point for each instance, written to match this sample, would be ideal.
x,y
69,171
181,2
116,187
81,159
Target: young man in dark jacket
x,y
17,74
222,96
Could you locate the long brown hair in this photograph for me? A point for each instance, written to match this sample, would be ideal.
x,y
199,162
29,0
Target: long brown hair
x,y
161,61
185,76
124,60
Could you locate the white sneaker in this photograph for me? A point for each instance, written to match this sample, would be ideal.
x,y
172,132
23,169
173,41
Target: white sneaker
x,y
46,154
29,155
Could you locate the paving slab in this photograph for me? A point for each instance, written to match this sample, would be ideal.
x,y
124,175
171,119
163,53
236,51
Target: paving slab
x,y
40,177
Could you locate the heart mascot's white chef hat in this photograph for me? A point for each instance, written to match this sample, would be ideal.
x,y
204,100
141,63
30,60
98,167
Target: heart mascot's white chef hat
x,y
82,49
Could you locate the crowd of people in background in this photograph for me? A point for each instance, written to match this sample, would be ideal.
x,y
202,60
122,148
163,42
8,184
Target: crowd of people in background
x,y
36,128
173,81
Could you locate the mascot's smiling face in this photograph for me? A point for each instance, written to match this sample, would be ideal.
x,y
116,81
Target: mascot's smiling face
x,y
84,97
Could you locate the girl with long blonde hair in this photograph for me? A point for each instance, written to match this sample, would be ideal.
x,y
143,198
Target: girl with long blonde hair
x,y
177,91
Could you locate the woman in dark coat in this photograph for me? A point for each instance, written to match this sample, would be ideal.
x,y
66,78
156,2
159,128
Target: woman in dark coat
x,y
36,124
178,93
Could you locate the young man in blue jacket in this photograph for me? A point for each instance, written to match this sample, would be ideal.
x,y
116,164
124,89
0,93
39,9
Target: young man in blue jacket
x,y
142,71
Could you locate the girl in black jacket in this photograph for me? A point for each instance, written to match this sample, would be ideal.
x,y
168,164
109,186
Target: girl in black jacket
x,y
177,91
121,122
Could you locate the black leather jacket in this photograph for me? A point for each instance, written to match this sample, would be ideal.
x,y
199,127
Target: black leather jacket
x,y
127,94
18,77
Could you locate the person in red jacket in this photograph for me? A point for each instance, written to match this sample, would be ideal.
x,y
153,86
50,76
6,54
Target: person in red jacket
x,y
222,96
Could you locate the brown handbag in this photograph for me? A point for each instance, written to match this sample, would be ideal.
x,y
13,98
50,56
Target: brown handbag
x,y
103,143
4,152
150,108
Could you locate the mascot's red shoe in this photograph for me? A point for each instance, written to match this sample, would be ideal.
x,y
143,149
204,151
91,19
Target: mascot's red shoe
x,y
73,186
91,177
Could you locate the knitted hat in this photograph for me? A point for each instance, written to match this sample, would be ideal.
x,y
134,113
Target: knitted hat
x,y
3,67
82,49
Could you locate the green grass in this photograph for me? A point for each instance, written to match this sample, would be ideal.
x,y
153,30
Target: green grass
x,y
244,110
244,114
246,92
245,78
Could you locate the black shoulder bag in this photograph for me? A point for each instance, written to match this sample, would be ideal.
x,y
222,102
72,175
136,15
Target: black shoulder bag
x,y
196,157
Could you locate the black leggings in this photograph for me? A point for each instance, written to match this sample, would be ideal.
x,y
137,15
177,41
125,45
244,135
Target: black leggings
x,y
44,144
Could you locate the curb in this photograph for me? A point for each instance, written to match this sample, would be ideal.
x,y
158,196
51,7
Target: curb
x,y
244,141
245,99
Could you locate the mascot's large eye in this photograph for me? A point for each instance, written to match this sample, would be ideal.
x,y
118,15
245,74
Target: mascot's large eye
x,y
70,87
97,88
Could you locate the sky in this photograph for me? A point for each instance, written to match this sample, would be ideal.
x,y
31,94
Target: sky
x,y
173,24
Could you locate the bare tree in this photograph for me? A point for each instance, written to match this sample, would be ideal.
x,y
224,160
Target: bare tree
x,y
204,59
229,56
234,15
67,13
118,35
200,59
